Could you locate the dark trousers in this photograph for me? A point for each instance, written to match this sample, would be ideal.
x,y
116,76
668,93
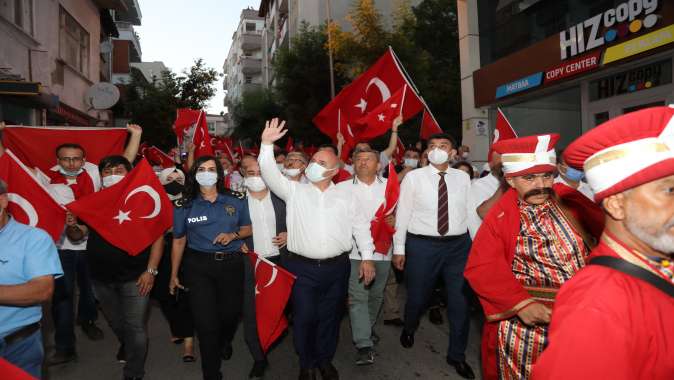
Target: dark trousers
x,y
426,261
216,296
75,269
318,301
177,312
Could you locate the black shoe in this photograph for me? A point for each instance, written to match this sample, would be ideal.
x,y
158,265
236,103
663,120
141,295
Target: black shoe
x,y
257,372
227,352
365,356
406,339
394,322
462,368
61,357
329,372
435,316
121,354
308,374
91,330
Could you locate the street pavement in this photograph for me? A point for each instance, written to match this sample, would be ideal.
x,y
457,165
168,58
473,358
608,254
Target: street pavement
x,y
426,360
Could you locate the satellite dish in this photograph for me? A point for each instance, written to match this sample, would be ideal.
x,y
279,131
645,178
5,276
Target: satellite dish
x,y
102,96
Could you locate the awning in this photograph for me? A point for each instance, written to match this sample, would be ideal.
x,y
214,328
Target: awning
x,y
71,115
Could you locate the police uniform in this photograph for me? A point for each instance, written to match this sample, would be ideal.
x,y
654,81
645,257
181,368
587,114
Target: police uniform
x,y
213,273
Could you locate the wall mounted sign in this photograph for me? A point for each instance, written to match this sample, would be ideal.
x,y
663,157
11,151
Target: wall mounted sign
x,y
640,44
616,23
572,67
522,84
640,78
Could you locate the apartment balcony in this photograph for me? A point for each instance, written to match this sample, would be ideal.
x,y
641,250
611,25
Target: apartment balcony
x,y
283,34
251,65
131,14
251,40
126,32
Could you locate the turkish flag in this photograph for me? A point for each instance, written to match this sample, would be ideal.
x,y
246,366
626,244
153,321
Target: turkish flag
x,y
289,145
29,202
402,103
36,146
361,96
429,126
10,372
131,214
273,285
224,145
504,130
157,157
382,233
400,151
186,118
201,139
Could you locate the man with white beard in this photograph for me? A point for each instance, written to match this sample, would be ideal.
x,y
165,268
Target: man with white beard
x,y
612,320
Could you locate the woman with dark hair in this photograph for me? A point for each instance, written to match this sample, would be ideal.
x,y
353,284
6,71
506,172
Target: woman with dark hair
x,y
208,233
123,282
466,167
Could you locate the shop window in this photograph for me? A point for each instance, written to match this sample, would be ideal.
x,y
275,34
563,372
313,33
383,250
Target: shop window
x,y
641,78
74,43
556,113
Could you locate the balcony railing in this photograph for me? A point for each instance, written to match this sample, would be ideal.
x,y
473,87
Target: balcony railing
x,y
251,65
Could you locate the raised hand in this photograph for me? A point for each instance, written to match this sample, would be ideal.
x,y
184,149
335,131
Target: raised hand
x,y
134,129
273,131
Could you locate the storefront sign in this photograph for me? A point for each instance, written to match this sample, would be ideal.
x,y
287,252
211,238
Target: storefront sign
x,y
573,67
638,79
641,44
519,85
19,88
615,23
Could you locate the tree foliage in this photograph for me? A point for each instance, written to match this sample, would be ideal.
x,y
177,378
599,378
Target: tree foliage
x,y
250,114
153,105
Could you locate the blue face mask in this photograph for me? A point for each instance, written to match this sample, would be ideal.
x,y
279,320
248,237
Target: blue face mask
x,y
574,175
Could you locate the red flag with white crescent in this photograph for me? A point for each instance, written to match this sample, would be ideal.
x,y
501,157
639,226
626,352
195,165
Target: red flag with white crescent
x,y
429,126
273,285
157,157
30,202
201,139
503,130
131,214
382,232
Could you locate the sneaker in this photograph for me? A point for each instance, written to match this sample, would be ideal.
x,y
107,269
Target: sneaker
x,y
91,330
61,357
365,356
257,372
121,354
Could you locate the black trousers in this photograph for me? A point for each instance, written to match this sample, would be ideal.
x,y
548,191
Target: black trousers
x,y
216,293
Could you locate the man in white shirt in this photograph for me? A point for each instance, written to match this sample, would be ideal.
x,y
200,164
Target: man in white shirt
x,y
322,220
481,190
294,165
268,218
365,301
432,241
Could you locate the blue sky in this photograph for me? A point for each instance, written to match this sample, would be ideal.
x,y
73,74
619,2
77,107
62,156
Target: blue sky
x,y
177,32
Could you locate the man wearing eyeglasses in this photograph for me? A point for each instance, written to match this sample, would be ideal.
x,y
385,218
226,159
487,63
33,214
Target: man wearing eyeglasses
x,y
529,244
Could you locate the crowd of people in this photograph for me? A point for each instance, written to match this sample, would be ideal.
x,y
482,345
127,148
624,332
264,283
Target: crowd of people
x,y
568,253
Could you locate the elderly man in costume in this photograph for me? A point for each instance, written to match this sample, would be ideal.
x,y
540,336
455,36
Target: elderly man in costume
x,y
613,320
529,244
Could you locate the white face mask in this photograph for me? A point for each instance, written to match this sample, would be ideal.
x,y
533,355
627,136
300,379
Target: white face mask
x,y
206,179
291,172
254,183
112,179
411,162
69,173
438,156
315,172
465,154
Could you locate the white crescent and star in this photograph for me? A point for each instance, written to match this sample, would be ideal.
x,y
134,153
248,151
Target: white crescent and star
x,y
26,206
274,273
123,216
383,90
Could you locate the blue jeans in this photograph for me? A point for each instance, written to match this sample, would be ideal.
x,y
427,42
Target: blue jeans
x,y
426,261
75,267
26,354
126,310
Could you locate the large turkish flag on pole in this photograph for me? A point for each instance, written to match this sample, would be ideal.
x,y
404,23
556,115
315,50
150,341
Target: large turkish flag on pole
x,y
36,146
201,139
273,285
429,126
382,233
131,214
503,130
361,96
403,102
29,202
186,118
158,157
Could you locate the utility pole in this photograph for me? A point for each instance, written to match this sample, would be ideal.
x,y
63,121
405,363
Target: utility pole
x,y
332,70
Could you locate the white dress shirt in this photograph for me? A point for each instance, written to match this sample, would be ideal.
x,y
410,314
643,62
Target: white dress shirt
x,y
369,198
480,190
418,204
583,187
321,224
263,218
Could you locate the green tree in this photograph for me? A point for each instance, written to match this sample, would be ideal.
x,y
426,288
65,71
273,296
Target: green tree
x,y
251,112
198,85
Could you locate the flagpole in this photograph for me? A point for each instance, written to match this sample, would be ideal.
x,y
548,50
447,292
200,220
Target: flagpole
x,y
402,103
332,71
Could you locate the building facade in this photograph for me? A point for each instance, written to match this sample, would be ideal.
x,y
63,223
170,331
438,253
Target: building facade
x,y
243,66
561,66
218,125
50,55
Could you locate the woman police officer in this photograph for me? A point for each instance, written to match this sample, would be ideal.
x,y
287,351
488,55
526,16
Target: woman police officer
x,y
209,229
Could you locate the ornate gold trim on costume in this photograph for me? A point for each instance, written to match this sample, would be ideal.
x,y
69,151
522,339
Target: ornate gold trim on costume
x,y
511,312
525,157
611,155
627,254
547,294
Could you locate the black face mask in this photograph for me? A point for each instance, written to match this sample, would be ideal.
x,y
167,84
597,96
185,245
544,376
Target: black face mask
x,y
174,188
